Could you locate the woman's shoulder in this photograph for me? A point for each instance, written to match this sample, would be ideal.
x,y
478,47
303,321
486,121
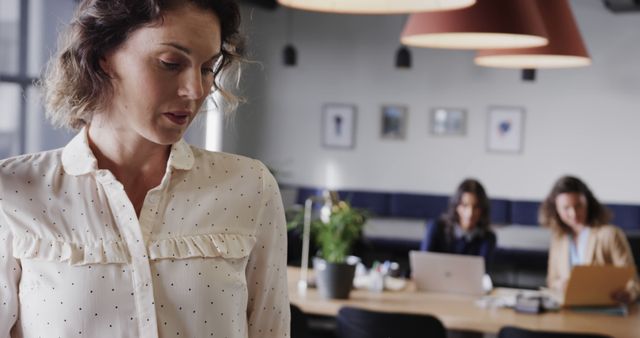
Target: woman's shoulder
x,y
227,159
30,163
230,164
558,236
222,157
27,177
488,234
31,157
608,231
439,224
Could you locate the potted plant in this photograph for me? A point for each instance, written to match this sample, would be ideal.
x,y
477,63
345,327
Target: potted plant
x,y
335,237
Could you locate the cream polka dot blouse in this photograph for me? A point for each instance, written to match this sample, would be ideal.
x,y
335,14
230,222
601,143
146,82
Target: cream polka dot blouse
x,y
206,257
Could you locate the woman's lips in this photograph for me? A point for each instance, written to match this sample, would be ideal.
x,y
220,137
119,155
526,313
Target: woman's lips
x,y
178,118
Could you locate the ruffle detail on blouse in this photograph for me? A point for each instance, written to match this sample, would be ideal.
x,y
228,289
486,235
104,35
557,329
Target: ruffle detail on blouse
x,y
210,245
101,252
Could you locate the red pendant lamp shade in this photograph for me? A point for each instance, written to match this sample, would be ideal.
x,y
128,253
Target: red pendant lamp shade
x,y
487,24
565,48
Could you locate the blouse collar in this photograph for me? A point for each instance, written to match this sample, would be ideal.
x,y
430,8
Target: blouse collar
x,y
78,159
467,235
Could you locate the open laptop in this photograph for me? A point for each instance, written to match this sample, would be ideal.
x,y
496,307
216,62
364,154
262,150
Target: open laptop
x,y
593,285
451,273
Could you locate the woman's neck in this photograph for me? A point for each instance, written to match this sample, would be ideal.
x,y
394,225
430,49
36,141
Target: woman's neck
x,y
127,155
577,229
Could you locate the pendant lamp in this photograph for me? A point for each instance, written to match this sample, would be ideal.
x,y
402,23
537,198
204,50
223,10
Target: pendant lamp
x,y
487,24
565,48
289,53
376,6
528,75
289,56
403,58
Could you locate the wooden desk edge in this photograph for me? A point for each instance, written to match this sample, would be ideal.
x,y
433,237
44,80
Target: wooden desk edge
x,y
460,312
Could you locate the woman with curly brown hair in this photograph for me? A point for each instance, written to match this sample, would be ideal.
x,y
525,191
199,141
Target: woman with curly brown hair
x,y
582,235
128,231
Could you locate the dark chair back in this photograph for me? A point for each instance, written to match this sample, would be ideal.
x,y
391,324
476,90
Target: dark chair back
x,y
516,332
299,324
358,323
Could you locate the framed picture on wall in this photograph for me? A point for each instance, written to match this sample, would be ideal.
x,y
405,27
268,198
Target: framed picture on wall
x,y
448,121
338,125
393,122
505,129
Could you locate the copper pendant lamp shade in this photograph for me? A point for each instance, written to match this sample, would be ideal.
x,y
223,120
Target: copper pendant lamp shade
x,y
376,6
487,24
565,48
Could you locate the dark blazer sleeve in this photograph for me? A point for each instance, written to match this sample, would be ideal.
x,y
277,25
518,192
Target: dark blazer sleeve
x,y
432,238
487,248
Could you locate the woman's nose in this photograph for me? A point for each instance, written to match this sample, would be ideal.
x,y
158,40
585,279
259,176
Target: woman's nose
x,y
468,213
191,86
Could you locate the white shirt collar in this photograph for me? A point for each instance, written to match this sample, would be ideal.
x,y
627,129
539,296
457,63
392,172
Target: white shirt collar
x,y
181,156
78,159
468,235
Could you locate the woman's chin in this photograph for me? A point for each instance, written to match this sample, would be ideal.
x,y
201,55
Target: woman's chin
x,y
170,135
165,138
466,228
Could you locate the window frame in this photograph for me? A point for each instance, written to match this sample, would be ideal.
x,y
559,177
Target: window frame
x,y
21,78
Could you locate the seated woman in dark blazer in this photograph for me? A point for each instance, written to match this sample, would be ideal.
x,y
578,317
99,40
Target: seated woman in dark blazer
x,y
464,228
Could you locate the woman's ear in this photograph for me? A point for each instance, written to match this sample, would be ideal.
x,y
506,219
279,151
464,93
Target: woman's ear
x,y
105,65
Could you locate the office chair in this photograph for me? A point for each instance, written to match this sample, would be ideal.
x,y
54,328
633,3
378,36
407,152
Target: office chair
x,y
299,324
358,323
516,332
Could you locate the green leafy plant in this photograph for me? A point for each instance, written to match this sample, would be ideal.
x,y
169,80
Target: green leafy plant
x,y
336,237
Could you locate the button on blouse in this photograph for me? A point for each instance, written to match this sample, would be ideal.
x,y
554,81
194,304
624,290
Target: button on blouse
x,y
205,258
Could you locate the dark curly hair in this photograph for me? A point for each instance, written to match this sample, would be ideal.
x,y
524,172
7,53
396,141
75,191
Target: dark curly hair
x,y
75,85
597,214
472,186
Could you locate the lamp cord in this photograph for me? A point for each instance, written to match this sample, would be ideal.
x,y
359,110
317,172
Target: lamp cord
x,y
288,25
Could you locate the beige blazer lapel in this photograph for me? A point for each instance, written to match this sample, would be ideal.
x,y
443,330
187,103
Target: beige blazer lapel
x,y
591,246
564,265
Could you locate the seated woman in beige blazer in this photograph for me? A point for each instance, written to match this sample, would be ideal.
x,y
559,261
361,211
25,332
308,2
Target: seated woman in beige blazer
x,y
582,235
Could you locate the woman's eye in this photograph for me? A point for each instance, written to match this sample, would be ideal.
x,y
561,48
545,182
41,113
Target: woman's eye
x,y
170,65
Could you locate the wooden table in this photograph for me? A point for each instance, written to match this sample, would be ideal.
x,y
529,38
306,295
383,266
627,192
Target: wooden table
x,y
461,313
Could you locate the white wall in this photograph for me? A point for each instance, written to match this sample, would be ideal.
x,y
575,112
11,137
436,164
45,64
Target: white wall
x,y
580,121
